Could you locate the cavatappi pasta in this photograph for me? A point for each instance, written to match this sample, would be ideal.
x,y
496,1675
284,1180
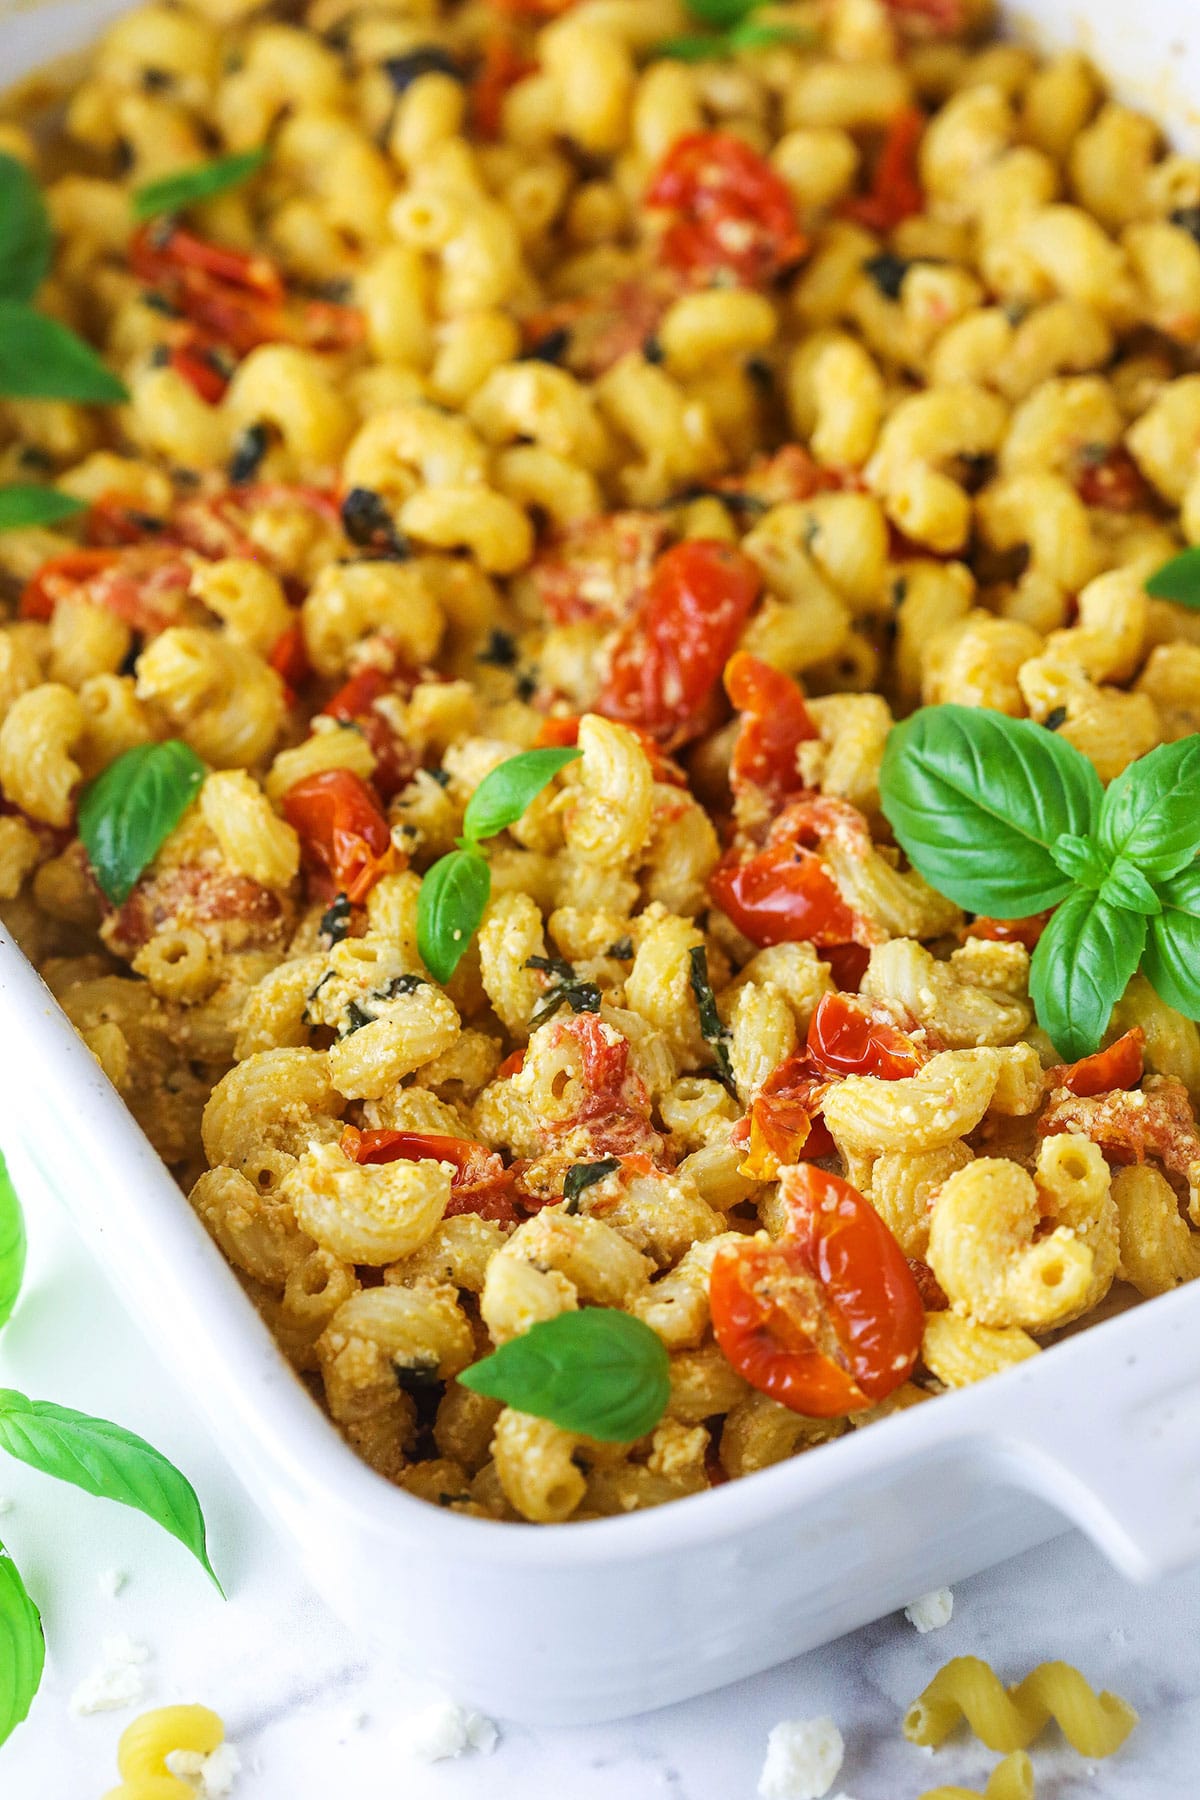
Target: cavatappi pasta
x,y
536,386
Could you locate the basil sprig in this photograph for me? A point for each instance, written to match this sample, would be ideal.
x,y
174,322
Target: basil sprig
x,y
22,506
1009,819
40,359
103,1459
455,891
128,812
1178,580
187,187
599,1372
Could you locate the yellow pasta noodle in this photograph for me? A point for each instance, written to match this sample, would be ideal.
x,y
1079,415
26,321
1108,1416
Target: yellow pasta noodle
x,y
1009,1719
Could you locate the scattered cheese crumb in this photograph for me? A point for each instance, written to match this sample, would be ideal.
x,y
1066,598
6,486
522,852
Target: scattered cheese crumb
x,y
803,1759
117,1682
444,1729
110,1582
931,1611
6,1504
211,1776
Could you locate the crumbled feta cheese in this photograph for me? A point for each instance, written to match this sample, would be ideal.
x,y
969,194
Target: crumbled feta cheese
x,y
803,1759
6,1504
931,1611
117,1682
212,1776
444,1729
110,1582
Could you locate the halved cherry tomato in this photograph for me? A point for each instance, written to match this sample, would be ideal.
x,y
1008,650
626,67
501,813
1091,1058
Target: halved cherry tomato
x,y
289,657
344,838
895,193
1122,1065
504,64
775,722
733,212
117,519
560,731
60,578
843,1039
784,895
784,1122
827,1319
354,704
144,584
1113,481
1010,931
668,658
512,1065
202,371
480,1184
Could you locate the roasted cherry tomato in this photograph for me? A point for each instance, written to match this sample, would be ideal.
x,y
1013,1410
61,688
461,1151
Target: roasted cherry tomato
x,y
144,584
783,895
1112,480
733,213
775,722
202,369
1122,1065
61,578
784,1122
1010,931
668,658
117,519
289,657
504,64
344,838
843,1039
560,731
827,1319
480,1183
895,193
929,18
354,704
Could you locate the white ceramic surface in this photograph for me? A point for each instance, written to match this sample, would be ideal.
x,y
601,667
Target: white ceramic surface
x,y
1103,1430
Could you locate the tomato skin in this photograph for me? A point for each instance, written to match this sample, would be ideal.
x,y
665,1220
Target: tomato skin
x,y
60,576
784,1123
560,731
480,1183
201,372
1010,931
828,1319
144,584
667,660
344,838
843,1039
289,657
783,895
896,193
504,64
775,722
354,704
933,18
733,212
1122,1065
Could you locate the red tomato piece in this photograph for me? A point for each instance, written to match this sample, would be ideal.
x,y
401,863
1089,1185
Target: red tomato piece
x,y
1122,1065
354,704
844,1039
1113,481
775,722
512,1065
289,658
202,371
61,578
828,1319
560,731
929,18
480,1184
732,211
1010,931
1157,1121
344,838
667,660
145,584
598,569
784,895
504,64
784,1122
117,519
895,193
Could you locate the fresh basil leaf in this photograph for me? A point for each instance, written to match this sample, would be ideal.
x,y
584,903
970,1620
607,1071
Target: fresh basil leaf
x,y
503,794
722,14
581,1176
454,894
977,800
691,47
1084,961
1126,886
12,1244
1151,812
128,812
753,36
22,1647
1172,960
105,1460
1178,580
599,1372
174,193
26,238
1081,859
41,360
21,507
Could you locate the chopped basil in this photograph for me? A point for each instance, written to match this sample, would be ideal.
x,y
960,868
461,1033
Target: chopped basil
x,y
249,448
368,523
585,1175
565,990
335,923
501,650
716,1034
887,272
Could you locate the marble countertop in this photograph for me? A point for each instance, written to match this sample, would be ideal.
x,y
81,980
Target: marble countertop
x,y
311,1718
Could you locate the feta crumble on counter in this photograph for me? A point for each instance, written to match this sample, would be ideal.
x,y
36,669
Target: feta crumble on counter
x,y
803,1759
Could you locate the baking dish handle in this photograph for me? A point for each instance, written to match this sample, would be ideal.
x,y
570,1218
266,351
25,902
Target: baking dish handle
x,y
1109,1433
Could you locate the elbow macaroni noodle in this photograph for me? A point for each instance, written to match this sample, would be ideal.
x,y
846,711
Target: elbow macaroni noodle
x,y
422,515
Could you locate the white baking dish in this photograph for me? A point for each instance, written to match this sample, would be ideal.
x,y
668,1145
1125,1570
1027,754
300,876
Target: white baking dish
x,y
579,1623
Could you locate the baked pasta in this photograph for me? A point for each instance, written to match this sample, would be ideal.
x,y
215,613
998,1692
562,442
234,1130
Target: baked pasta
x,y
523,376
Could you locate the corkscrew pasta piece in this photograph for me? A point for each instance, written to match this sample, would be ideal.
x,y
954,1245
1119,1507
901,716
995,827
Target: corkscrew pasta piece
x,y
1009,1719
1012,1779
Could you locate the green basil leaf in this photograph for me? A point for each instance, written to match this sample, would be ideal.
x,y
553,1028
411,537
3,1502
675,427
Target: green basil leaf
x,y
752,36
581,1176
721,14
453,896
715,1033
1081,859
1178,580
105,1460
503,794
22,1647
174,193
26,238
12,1244
1126,886
691,48
21,507
977,800
126,814
1084,961
599,1372
1172,961
1151,812
41,360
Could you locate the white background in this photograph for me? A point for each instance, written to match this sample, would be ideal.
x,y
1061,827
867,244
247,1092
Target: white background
x,y
313,1721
